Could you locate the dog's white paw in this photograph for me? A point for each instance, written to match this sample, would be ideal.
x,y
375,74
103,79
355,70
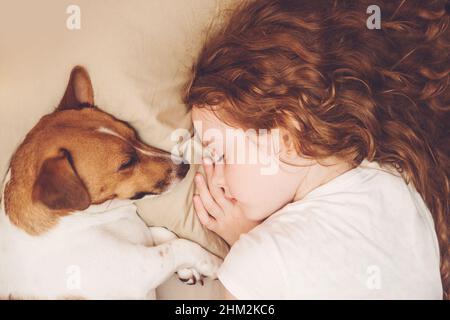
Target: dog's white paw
x,y
209,266
196,259
190,276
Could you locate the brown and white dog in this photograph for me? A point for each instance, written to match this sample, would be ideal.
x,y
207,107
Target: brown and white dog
x,y
68,225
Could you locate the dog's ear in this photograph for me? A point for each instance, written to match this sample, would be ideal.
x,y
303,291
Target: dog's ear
x,y
79,93
59,187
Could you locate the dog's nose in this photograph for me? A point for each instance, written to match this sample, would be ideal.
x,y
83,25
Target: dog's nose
x,y
182,170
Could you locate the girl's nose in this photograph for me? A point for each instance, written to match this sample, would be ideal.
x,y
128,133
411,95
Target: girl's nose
x,y
218,179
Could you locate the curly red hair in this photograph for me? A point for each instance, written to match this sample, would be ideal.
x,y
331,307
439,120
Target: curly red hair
x,y
339,88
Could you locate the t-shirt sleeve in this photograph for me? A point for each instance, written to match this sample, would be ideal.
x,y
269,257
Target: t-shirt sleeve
x,y
250,270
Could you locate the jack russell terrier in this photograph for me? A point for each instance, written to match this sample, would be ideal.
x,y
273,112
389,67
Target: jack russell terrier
x,y
68,225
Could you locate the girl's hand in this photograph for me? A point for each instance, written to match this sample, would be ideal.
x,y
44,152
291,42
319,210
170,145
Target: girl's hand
x,y
216,212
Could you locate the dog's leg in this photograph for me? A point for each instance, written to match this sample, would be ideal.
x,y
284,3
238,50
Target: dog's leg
x,y
116,269
161,235
189,276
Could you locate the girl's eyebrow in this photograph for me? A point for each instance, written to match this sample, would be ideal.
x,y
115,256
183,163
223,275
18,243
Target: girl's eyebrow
x,y
204,143
196,134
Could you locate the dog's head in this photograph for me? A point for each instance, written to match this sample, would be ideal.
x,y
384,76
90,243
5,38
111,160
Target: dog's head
x,y
80,155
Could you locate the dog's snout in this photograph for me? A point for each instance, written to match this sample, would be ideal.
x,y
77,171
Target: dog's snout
x,y
182,170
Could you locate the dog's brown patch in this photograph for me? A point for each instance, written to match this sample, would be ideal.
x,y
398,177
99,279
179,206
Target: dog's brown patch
x,y
58,185
67,163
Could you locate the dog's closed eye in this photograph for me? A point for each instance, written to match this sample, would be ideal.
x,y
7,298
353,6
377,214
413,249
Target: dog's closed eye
x,y
131,160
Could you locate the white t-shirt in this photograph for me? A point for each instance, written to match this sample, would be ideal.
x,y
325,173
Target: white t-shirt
x,y
364,235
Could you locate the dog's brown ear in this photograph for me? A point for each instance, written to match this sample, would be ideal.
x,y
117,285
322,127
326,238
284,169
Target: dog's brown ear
x,y
59,187
79,93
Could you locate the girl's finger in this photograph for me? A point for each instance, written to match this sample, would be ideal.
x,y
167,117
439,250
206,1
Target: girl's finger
x,y
216,192
206,220
210,205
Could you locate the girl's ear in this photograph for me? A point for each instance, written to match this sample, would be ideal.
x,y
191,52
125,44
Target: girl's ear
x,y
288,153
79,93
287,146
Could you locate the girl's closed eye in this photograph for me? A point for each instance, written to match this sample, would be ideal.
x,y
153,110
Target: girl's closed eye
x,y
212,154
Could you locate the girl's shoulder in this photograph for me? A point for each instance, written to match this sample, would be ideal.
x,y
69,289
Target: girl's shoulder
x,y
367,185
338,234
366,205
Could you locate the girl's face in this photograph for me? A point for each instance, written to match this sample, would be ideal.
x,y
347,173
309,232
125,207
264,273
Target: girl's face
x,y
251,175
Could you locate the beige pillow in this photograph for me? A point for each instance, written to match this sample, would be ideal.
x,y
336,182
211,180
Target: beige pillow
x,y
138,54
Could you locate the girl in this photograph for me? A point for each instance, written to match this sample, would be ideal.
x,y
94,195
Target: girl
x,y
358,207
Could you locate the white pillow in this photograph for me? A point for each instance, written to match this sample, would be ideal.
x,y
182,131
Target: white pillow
x,y
139,55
